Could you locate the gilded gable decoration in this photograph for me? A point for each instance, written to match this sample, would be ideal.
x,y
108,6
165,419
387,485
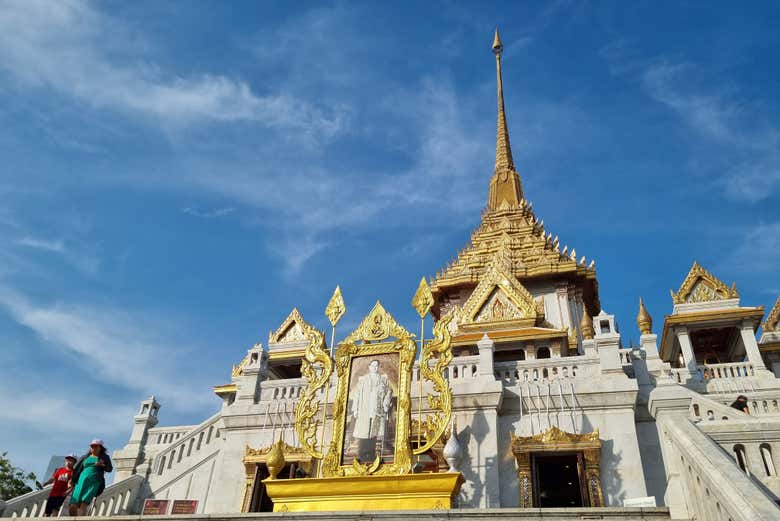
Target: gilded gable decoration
x,y
291,330
702,286
498,300
377,325
772,322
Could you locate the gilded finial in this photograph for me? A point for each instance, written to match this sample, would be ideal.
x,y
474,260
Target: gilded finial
x,y
423,298
505,187
497,45
586,324
643,319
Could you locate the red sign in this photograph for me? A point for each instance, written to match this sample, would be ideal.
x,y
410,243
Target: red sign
x,y
155,507
184,506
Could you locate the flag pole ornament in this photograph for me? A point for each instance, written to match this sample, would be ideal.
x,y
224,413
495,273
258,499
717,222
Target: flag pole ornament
x,y
422,301
334,311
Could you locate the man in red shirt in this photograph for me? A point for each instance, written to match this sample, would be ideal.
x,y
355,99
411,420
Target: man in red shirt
x,y
60,478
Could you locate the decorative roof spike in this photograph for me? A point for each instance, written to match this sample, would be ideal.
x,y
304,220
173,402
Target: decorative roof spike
x,y
557,246
643,319
555,240
573,255
504,159
586,324
565,251
592,264
582,260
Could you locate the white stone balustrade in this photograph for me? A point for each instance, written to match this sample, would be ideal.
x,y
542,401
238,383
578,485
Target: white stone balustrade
x,y
705,483
117,499
287,389
547,369
192,445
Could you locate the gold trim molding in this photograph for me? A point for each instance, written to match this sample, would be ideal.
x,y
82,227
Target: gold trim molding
x,y
293,319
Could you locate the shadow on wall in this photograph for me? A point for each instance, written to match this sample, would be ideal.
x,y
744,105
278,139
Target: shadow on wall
x,y
473,490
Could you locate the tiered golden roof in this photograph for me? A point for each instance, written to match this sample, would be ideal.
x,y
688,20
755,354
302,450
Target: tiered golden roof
x,y
510,229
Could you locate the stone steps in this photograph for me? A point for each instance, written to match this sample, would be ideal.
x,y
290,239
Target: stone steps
x,y
498,514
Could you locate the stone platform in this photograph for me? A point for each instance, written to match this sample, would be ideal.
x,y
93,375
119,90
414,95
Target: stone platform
x,y
499,514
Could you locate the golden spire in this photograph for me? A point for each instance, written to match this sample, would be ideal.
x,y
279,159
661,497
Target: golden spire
x,y
586,324
505,189
643,319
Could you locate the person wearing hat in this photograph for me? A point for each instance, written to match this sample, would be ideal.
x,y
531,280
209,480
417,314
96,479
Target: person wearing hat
x,y
61,479
88,479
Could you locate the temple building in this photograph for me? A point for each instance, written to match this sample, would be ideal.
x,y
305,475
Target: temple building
x,y
550,408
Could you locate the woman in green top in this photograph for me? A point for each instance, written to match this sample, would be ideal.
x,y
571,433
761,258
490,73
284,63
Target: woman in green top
x,y
88,479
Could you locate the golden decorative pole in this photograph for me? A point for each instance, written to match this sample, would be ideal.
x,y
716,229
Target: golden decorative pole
x,y
334,311
422,302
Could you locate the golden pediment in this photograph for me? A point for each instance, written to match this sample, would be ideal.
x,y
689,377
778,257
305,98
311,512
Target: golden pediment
x,y
291,329
555,436
377,325
772,322
702,286
498,299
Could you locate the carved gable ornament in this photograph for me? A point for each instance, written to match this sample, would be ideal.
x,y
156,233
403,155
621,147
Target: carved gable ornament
x,y
702,286
377,325
772,322
291,330
498,301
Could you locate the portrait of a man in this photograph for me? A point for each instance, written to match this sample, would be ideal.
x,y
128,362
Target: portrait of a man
x,y
370,425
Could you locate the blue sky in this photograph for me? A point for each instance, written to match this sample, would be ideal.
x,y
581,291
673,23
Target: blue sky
x,y
175,177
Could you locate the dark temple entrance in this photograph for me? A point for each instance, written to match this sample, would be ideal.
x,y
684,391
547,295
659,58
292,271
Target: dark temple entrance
x,y
557,480
260,502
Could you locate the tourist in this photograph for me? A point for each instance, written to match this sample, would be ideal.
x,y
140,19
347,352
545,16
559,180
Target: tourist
x,y
88,479
741,404
61,478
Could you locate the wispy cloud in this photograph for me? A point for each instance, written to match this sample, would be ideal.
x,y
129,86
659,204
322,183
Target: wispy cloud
x,y
56,245
209,214
77,258
756,250
72,48
748,143
113,346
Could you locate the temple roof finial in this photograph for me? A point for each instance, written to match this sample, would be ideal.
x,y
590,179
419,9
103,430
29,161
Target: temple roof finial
x,y
505,188
503,150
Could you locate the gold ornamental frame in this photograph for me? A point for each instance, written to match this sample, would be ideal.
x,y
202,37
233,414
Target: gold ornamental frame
x,y
369,339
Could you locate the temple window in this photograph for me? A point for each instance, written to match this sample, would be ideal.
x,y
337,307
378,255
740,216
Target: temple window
x,y
162,466
543,352
739,452
766,457
604,325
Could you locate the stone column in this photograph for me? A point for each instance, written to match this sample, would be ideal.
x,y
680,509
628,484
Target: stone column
x,y
751,349
649,343
485,346
687,349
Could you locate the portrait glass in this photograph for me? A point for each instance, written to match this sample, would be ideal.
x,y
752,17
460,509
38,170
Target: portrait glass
x,y
372,409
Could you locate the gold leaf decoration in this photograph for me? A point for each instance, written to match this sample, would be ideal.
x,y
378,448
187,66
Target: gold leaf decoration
x,y
423,298
336,308
316,367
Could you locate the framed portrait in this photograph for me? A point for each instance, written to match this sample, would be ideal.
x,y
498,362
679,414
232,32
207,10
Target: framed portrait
x,y
371,412
372,409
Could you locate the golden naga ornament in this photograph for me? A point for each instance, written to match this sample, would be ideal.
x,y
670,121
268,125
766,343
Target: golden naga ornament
x,y
316,367
336,307
423,298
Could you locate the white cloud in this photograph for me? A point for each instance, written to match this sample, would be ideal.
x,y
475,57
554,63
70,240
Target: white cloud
x,y
78,258
111,346
209,214
57,245
747,142
756,252
70,47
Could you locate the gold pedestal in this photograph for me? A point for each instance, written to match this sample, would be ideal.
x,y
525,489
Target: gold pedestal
x,y
434,491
